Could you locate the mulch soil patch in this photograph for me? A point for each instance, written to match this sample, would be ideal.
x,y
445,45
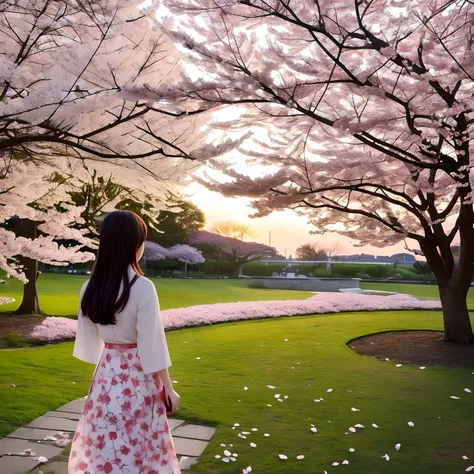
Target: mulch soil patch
x,y
414,347
18,324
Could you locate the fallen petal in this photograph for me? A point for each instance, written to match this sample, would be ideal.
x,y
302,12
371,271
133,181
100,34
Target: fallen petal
x,y
335,464
398,446
300,457
410,423
345,462
253,445
351,450
354,409
314,429
386,457
467,390
470,468
283,457
42,459
374,425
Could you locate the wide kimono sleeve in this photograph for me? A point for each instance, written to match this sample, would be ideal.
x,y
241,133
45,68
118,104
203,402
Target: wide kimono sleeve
x,y
88,346
151,339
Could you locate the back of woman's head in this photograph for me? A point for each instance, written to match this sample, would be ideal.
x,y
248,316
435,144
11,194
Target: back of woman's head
x,y
122,234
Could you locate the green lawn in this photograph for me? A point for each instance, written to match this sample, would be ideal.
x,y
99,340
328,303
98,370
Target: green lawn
x,y
423,292
59,294
254,354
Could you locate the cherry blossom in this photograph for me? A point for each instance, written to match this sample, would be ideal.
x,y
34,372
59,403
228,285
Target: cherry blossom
x,y
360,114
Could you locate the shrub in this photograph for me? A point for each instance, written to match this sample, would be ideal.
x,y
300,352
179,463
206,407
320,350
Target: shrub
x,y
396,276
351,271
256,285
421,268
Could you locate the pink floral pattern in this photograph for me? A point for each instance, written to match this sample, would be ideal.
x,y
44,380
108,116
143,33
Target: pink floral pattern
x,y
123,428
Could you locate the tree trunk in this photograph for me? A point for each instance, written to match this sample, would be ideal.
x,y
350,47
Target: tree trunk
x,y
237,269
457,324
30,302
218,262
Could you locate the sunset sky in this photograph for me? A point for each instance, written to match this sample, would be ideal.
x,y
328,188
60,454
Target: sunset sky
x,y
288,230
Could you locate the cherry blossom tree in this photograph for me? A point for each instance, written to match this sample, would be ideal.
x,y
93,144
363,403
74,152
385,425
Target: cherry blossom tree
x,y
39,210
235,251
154,252
187,255
67,77
364,113
67,74
182,253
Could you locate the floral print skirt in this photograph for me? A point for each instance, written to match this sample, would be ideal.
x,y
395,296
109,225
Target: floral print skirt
x,y
123,428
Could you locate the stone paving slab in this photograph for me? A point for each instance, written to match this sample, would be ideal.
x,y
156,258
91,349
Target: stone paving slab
x,y
53,423
10,445
174,423
64,414
189,447
204,433
32,434
75,406
17,464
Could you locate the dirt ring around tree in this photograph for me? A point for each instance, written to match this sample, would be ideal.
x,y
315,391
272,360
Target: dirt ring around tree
x,y
423,348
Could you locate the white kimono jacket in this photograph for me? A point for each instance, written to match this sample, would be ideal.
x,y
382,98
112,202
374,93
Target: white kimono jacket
x,y
139,322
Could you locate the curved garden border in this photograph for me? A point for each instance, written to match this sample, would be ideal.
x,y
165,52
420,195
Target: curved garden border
x,y
60,328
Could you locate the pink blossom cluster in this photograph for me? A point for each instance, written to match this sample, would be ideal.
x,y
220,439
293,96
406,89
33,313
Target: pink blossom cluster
x,y
6,300
181,253
58,328
55,329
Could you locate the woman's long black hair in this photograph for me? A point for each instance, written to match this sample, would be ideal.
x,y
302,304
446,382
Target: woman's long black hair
x,y
121,235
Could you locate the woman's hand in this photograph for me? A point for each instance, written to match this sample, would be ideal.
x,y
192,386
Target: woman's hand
x,y
174,400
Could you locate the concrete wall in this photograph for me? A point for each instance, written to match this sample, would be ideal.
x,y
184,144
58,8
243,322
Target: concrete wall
x,y
309,284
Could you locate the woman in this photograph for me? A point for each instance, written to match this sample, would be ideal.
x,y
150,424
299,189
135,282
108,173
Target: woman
x,y
123,427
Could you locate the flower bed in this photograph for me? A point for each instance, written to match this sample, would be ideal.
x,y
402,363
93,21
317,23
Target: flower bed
x,y
57,328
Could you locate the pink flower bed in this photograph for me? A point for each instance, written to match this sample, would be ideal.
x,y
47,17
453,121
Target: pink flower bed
x,y
56,328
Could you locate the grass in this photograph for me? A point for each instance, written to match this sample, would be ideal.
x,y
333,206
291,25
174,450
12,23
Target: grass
x,y
59,294
423,292
255,354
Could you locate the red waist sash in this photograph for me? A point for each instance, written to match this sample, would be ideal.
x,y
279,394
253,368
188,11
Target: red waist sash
x,y
123,347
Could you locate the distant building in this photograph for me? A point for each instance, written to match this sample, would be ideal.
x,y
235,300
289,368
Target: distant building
x,y
403,258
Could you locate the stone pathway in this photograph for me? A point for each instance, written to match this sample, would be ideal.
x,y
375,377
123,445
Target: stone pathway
x,y
48,435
